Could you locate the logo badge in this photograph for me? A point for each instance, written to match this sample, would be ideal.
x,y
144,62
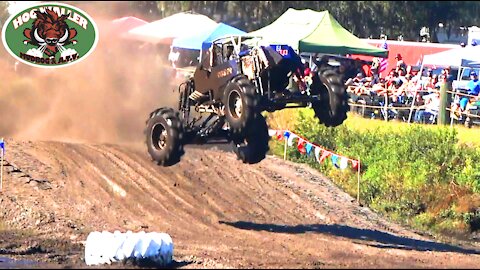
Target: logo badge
x,y
50,35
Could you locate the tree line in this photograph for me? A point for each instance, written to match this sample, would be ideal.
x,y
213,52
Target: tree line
x,y
363,18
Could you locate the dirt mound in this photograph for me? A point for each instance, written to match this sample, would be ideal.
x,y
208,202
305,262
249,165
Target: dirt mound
x,y
219,212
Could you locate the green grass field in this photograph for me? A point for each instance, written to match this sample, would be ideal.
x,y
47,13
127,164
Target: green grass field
x,y
285,119
470,136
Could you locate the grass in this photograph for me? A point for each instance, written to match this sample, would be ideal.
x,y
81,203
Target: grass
x,y
445,202
465,135
286,119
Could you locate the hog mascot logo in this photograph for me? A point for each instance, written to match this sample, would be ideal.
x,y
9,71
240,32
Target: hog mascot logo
x,y
50,35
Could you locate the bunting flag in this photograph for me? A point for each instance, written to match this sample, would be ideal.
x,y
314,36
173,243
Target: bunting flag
x,y
354,164
272,132
279,135
305,147
300,146
325,154
308,148
334,160
343,163
317,154
290,139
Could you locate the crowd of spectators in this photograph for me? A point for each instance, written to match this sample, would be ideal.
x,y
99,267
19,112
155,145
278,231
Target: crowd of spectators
x,y
402,89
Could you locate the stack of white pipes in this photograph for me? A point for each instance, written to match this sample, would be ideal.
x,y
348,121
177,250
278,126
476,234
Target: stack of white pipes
x,y
106,247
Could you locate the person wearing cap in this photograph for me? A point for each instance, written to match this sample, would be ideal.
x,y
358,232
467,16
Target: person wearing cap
x,y
473,90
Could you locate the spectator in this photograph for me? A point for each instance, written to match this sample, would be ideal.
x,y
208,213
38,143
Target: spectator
x,y
367,70
400,64
307,71
430,109
429,73
409,71
174,56
357,65
473,89
390,78
448,74
375,67
360,85
433,82
307,74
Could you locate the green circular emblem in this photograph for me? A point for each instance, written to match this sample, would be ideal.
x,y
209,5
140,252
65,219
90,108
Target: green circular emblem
x,y
50,35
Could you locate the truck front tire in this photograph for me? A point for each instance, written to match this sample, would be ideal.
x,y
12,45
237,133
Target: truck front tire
x,y
164,134
240,101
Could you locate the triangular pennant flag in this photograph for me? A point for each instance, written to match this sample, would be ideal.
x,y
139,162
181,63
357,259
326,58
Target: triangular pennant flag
x,y
334,160
291,138
325,154
279,135
300,146
308,148
355,164
343,163
317,153
272,132
286,134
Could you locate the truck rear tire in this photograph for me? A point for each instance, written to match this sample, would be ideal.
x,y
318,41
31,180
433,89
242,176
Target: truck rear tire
x,y
241,101
253,147
333,107
164,134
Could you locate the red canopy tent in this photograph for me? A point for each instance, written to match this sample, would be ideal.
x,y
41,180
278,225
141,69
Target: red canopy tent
x,y
122,25
411,52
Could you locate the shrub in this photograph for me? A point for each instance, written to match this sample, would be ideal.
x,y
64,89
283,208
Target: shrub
x,y
406,172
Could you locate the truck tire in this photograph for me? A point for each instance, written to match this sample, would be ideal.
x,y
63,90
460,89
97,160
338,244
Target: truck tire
x,y
253,147
332,109
164,134
241,101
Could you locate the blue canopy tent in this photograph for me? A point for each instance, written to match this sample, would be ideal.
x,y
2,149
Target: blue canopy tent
x,y
203,40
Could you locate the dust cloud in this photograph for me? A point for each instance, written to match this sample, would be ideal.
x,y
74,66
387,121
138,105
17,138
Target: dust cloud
x,y
105,98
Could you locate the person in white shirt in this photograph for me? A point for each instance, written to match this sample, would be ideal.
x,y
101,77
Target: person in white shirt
x,y
430,109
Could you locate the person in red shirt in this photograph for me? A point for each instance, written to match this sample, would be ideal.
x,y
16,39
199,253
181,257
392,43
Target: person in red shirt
x,y
367,70
400,64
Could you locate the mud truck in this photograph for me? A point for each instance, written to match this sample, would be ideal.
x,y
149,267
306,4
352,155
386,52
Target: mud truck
x,y
236,80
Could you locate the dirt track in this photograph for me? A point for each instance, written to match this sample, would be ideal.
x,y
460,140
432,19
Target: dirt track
x,y
219,212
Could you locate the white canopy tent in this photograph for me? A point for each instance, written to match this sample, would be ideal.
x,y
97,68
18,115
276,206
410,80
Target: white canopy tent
x,y
452,57
163,31
455,58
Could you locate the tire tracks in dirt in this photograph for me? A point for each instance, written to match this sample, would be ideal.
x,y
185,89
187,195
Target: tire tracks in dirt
x,y
221,213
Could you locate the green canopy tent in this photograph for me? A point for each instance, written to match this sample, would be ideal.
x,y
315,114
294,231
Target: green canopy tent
x,y
315,32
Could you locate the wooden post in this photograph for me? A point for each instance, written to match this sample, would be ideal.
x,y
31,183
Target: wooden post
x,y
386,106
1,167
445,100
358,182
285,148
